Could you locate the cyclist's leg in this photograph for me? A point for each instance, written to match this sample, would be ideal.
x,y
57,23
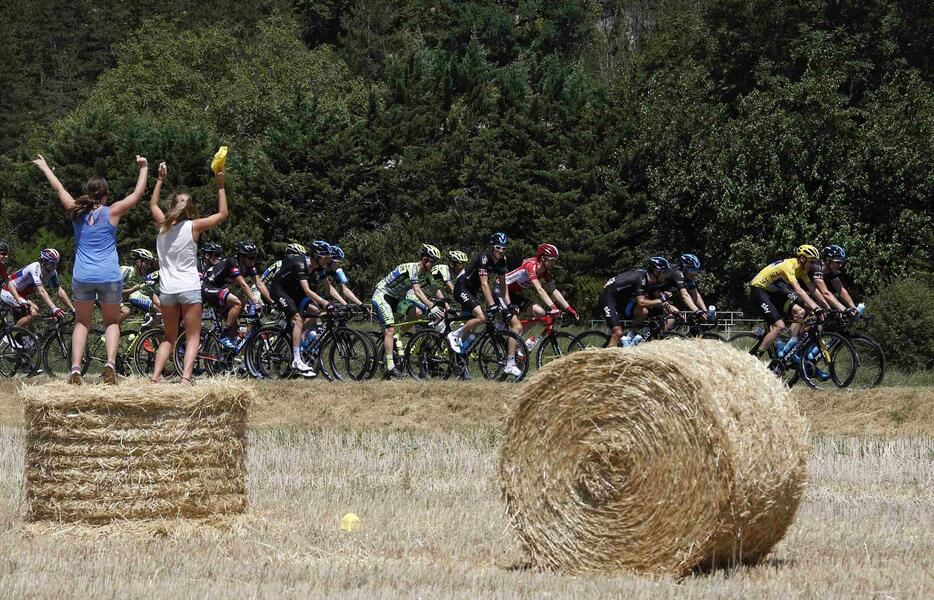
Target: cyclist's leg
x,y
385,312
609,308
234,307
771,315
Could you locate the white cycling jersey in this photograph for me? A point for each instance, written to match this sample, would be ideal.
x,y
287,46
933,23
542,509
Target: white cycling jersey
x,y
26,279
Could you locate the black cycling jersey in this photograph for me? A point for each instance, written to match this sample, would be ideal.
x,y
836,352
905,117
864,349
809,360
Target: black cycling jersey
x,y
482,264
226,270
669,280
628,284
293,271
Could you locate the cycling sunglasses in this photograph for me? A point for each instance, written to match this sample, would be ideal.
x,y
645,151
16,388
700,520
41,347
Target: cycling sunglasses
x,y
499,248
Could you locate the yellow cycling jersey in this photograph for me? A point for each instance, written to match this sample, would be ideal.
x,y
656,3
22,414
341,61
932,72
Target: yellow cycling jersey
x,y
785,270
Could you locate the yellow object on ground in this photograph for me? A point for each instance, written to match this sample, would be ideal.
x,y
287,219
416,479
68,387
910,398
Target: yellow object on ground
x,y
220,159
350,522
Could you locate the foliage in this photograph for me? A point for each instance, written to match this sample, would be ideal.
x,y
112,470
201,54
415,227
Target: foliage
x,y
903,319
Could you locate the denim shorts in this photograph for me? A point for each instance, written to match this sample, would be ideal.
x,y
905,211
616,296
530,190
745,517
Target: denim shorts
x,y
189,297
110,292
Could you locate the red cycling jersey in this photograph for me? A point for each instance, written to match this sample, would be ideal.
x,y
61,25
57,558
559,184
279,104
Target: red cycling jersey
x,y
522,277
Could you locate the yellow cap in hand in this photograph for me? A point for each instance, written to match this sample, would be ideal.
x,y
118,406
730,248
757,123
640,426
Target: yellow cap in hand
x,y
220,159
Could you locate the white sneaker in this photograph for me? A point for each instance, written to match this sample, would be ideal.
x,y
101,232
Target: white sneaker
x,y
455,342
512,369
302,368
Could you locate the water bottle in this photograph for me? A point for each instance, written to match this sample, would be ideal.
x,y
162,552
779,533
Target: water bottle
x,y
308,338
530,343
861,309
637,339
467,342
711,313
625,341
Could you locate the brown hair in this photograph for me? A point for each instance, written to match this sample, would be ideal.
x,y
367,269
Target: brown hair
x,y
181,207
94,192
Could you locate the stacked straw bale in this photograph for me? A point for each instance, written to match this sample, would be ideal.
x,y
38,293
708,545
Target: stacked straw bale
x,y
660,459
102,453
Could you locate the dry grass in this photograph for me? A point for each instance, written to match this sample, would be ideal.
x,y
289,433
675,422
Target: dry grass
x,y
433,526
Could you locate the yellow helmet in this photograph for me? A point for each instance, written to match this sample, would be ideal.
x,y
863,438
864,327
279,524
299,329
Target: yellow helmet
x,y
429,251
808,252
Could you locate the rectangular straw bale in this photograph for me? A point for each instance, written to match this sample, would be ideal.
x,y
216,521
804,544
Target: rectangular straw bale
x,y
101,453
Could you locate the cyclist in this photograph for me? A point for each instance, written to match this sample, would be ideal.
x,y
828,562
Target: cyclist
x,y
441,275
289,290
233,269
690,267
828,281
627,295
474,280
392,288
40,276
340,288
211,254
292,249
535,273
135,289
779,282
672,285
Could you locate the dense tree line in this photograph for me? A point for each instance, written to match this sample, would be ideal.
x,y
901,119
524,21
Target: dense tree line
x,y
736,129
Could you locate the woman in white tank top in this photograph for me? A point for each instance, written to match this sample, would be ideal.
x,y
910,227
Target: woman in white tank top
x,y
179,282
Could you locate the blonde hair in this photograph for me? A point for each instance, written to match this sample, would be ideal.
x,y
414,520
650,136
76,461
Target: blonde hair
x,y
94,192
181,207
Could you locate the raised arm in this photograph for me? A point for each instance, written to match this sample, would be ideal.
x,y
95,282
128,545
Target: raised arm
x,y
117,209
64,197
157,215
199,225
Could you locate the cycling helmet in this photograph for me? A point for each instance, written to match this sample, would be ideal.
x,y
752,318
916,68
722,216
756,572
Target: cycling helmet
x,y
4,247
547,251
247,248
456,256
142,254
212,248
429,251
658,263
690,262
49,255
499,239
808,252
337,253
833,252
294,248
321,248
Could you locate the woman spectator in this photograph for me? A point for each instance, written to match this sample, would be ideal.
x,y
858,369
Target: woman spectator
x,y
96,273
180,283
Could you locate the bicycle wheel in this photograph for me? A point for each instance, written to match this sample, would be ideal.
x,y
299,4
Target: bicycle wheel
x,y
491,356
315,354
745,341
827,361
269,353
349,355
210,360
144,354
19,353
870,368
56,354
428,356
128,339
590,339
96,353
556,345
377,353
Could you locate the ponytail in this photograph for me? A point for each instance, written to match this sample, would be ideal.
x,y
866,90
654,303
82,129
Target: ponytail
x,y
181,207
95,190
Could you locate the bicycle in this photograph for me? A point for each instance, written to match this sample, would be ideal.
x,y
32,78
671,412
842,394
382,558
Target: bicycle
x,y
56,348
870,358
822,359
432,358
212,357
654,328
552,343
20,354
345,351
404,333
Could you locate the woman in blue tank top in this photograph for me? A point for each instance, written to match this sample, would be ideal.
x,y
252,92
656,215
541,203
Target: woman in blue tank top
x,y
96,274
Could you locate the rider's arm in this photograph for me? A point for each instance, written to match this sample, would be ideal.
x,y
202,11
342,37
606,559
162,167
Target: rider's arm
x,y
241,281
420,294
346,291
156,302
559,299
117,209
485,289
13,291
63,196
824,297
311,293
44,294
809,302
698,299
63,296
504,288
332,291
549,303
847,299
688,301
263,290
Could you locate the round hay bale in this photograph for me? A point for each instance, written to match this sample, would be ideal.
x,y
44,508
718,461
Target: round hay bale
x,y
99,453
660,459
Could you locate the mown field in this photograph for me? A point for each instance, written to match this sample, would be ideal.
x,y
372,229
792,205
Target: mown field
x,y
418,464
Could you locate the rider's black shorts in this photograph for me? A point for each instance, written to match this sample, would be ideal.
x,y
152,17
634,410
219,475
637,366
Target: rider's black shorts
x,y
467,298
613,308
286,303
767,302
214,296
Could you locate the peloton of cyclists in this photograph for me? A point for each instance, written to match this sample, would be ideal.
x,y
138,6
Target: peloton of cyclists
x,y
224,273
628,296
40,277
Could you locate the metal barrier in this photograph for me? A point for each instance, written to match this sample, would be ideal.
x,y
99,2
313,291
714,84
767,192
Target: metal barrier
x,y
728,322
